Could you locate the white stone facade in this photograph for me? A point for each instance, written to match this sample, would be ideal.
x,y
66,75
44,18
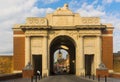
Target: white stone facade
x,y
84,31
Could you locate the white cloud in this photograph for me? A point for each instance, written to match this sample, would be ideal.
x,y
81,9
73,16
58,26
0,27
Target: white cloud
x,y
14,12
85,9
41,11
116,41
91,10
49,1
112,18
117,0
107,1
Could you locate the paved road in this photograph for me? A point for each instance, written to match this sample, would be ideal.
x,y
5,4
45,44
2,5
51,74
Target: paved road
x,y
60,78
65,78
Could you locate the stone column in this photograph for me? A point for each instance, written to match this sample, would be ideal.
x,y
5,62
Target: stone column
x,y
99,49
27,50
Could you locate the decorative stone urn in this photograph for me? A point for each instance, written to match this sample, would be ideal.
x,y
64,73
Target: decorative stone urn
x,y
27,72
102,71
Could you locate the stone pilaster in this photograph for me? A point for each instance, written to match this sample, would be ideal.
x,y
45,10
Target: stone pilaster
x,y
27,50
45,54
99,51
80,57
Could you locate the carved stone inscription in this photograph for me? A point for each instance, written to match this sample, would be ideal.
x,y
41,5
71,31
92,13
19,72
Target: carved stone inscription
x,y
90,21
63,21
36,21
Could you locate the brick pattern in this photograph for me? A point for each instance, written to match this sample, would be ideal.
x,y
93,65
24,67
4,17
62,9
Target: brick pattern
x,y
107,51
19,53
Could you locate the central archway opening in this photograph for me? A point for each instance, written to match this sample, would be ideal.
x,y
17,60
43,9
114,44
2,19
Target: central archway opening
x,y
62,56
61,62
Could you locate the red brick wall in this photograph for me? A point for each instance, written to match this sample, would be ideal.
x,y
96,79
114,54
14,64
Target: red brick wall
x,y
107,51
18,32
19,52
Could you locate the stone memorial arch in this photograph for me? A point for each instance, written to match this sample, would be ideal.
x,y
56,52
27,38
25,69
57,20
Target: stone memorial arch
x,y
63,42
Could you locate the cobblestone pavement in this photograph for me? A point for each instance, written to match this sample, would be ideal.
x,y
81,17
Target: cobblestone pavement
x,y
59,78
103,79
110,80
64,78
17,80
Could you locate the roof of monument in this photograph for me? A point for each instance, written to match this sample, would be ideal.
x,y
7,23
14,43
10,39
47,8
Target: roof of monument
x,y
63,18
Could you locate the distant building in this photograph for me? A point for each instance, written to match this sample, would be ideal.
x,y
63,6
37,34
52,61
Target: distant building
x,y
116,63
116,56
87,41
6,64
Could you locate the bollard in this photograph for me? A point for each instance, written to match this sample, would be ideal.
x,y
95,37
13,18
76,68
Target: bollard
x,y
39,77
105,78
81,75
89,76
32,79
36,78
93,77
98,78
85,76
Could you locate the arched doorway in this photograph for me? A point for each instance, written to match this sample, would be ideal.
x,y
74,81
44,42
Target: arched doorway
x,y
62,56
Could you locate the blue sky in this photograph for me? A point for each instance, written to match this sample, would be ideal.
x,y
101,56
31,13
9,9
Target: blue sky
x,y
16,11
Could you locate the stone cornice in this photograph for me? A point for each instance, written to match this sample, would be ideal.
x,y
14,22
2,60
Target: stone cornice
x,y
80,27
77,27
35,33
90,26
29,27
